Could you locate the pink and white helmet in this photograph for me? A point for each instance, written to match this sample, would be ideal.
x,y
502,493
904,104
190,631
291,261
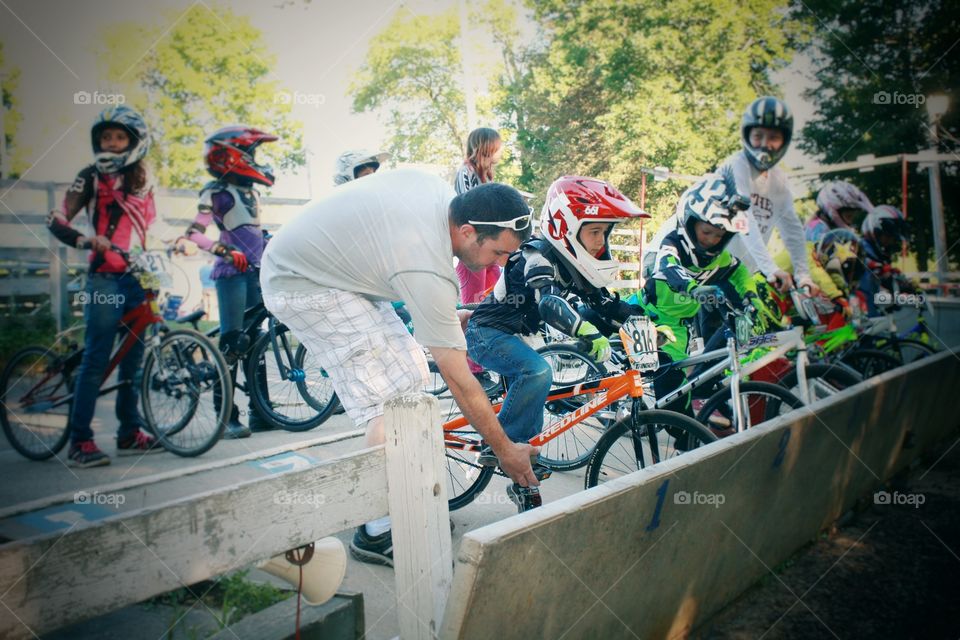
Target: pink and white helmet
x,y
838,195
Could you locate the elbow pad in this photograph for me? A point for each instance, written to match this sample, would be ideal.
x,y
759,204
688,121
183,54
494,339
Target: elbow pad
x,y
62,232
559,314
538,272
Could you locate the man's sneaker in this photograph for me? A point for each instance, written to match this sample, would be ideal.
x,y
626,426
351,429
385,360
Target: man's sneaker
x,y
138,444
87,454
525,498
372,549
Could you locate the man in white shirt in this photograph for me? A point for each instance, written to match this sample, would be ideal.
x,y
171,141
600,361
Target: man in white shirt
x,y
766,129
331,273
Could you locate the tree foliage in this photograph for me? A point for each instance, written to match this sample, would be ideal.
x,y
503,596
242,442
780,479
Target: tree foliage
x,y
211,69
412,73
603,88
9,81
877,60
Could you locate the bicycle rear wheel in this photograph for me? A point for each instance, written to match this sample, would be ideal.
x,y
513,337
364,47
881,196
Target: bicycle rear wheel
x,y
572,448
35,399
642,440
907,351
466,477
823,380
187,392
299,402
759,401
871,362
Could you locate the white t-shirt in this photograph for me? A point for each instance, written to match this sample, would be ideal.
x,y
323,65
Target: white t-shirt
x,y
771,206
385,237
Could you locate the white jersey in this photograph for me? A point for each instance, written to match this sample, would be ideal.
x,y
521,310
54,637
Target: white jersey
x,y
386,237
771,207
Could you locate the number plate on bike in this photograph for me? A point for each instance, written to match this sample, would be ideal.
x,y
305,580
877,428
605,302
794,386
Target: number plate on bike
x,y
640,342
154,270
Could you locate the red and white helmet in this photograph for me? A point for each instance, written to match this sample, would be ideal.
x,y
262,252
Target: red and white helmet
x,y
838,195
573,201
230,152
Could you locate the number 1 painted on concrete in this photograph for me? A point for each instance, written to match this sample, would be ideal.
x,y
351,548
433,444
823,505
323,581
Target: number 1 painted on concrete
x,y
661,496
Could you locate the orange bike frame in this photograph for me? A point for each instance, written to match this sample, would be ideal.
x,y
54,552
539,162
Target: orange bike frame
x,y
608,390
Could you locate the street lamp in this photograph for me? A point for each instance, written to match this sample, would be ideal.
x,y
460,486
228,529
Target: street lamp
x,y
937,106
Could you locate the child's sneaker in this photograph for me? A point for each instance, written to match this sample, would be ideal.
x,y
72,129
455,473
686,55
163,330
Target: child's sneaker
x,y
138,444
86,454
372,549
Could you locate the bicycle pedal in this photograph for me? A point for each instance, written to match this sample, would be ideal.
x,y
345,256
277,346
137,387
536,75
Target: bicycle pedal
x,y
525,498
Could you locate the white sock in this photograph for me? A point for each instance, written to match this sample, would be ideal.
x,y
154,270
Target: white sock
x,y
378,527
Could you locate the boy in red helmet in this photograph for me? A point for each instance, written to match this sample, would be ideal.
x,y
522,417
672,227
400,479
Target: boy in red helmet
x,y
233,204
571,260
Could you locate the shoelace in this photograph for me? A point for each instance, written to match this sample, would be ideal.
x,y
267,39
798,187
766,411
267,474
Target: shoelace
x,y
89,447
142,441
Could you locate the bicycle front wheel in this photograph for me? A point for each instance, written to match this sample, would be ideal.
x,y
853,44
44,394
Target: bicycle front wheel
x,y
187,392
759,402
303,399
35,398
572,448
642,440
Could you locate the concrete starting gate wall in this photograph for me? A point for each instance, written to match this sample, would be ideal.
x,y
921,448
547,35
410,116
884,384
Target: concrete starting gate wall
x,y
656,553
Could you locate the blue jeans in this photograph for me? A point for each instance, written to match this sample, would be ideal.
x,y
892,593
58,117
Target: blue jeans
x,y
108,297
528,374
235,295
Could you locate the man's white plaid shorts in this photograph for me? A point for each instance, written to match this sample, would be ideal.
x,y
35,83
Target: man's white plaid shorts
x,y
362,345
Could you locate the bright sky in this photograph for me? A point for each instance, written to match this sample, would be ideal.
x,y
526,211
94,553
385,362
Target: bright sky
x,y
318,47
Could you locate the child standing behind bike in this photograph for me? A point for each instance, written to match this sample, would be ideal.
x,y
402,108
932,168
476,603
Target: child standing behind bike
x,y
233,204
572,258
694,268
118,197
484,149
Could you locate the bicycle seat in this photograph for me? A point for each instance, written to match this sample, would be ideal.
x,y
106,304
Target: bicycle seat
x,y
192,318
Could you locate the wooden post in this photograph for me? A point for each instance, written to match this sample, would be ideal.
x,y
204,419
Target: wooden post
x,y
417,495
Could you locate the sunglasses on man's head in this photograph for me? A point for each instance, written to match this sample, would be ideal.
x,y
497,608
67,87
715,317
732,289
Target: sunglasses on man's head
x,y
517,224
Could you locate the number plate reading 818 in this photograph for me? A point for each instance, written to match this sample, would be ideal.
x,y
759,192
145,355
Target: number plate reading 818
x,y
640,342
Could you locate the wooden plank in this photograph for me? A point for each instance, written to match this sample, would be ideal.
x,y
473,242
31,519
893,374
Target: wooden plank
x,y
156,478
24,287
91,569
423,561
